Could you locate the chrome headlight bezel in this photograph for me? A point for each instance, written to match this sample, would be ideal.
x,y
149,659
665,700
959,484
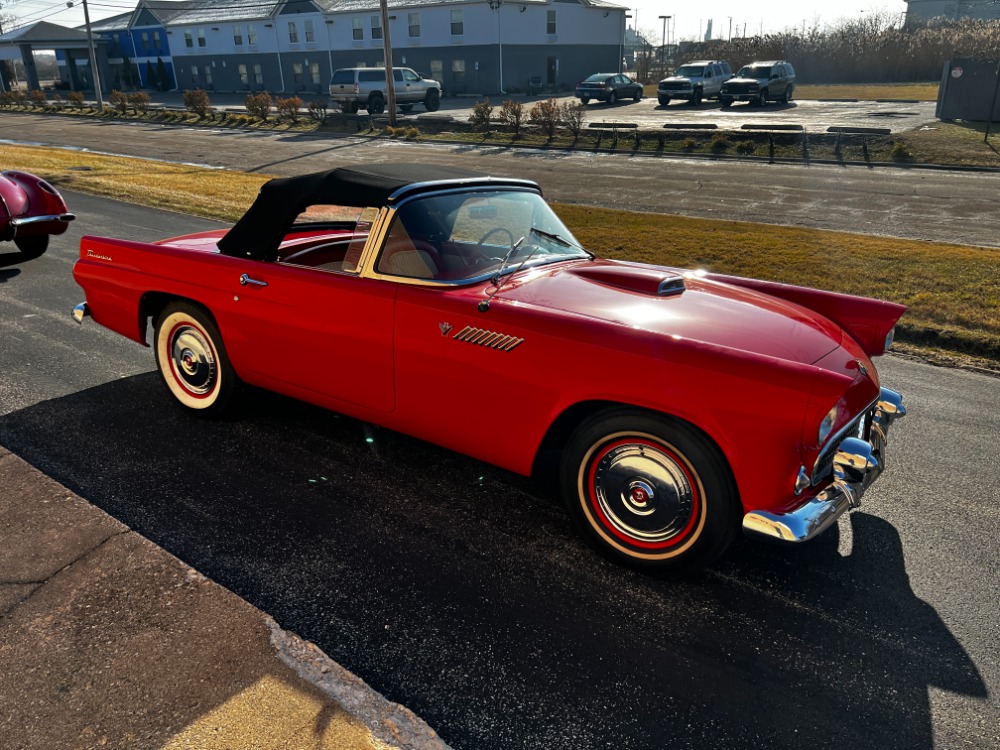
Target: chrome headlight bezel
x,y
827,424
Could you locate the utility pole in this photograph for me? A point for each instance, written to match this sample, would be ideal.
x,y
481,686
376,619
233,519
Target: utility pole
x,y
93,55
390,81
663,40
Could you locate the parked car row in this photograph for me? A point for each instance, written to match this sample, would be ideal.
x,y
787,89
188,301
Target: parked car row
x,y
755,83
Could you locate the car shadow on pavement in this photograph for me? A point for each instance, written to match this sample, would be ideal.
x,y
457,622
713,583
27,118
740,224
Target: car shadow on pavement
x,y
12,259
460,591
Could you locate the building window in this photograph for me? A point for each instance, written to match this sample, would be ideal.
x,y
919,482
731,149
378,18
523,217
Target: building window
x,y
208,75
188,40
252,35
359,28
201,37
314,73
194,75
376,27
244,78
145,42
297,73
458,74
457,27
310,34
413,19
156,40
258,75
550,22
293,33
238,36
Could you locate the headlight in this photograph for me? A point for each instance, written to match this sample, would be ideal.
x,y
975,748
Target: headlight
x,y
889,337
826,426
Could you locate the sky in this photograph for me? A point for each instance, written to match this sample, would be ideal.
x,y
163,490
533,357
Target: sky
x,y
688,20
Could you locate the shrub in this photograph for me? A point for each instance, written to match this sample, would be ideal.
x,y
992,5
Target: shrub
x,y
900,152
38,98
412,133
319,109
197,101
719,143
75,98
690,144
140,102
258,105
18,97
288,108
512,115
572,116
119,101
745,147
5,99
545,114
482,113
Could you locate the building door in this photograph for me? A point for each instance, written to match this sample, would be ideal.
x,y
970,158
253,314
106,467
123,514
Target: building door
x,y
552,71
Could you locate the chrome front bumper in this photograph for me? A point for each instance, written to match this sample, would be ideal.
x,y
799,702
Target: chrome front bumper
x,y
856,465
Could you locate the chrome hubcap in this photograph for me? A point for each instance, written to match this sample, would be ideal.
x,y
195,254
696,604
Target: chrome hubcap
x,y
194,360
643,493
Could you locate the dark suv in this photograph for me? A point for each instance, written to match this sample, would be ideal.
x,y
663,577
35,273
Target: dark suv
x,y
759,83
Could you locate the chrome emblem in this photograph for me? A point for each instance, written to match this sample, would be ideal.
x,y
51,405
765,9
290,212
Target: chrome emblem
x,y
490,339
445,328
861,368
92,254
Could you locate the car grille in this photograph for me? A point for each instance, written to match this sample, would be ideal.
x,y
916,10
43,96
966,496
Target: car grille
x,y
675,86
858,428
742,88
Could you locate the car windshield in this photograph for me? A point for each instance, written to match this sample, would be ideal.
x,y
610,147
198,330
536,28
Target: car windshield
x,y
470,235
760,71
689,70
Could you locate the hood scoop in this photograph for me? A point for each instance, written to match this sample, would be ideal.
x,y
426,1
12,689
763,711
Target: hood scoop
x,y
652,281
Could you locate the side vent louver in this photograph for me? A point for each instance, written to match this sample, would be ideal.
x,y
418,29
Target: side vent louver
x,y
499,341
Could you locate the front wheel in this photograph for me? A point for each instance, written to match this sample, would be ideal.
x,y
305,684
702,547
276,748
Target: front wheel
x,y
33,245
761,99
726,101
649,491
696,98
192,359
664,101
432,101
637,97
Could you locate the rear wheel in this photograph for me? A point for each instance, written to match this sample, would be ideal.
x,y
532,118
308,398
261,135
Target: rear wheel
x,y
432,101
649,491
612,98
192,359
376,104
584,100
352,107
33,245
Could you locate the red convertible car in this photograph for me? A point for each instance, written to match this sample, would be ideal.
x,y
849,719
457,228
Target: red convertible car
x,y
30,210
684,405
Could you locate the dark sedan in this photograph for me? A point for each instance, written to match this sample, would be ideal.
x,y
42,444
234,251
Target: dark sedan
x,y
608,87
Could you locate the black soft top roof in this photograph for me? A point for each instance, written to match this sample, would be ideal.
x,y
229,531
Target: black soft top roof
x,y
259,232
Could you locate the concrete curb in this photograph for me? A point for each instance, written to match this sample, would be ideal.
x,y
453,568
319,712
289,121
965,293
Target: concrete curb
x,y
108,640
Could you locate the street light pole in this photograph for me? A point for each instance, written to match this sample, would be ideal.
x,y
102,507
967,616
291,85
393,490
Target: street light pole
x,y
730,28
495,5
663,40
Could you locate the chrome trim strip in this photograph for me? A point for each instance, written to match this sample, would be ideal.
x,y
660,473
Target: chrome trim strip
x,y
64,218
857,464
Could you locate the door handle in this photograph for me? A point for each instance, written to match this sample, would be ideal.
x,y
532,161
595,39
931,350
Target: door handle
x,y
245,279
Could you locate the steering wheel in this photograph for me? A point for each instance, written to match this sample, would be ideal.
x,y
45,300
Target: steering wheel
x,y
495,230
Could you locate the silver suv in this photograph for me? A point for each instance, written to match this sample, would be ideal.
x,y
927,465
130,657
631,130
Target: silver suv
x,y
694,81
759,83
354,88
